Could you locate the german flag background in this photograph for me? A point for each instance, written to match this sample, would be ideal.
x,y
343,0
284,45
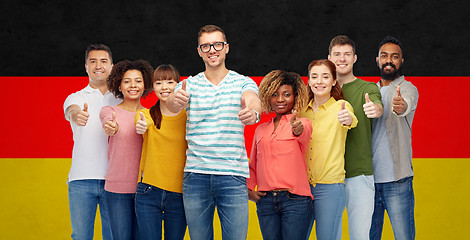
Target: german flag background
x,y
42,53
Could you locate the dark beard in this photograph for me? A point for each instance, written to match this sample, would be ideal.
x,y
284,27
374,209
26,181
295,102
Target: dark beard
x,y
392,75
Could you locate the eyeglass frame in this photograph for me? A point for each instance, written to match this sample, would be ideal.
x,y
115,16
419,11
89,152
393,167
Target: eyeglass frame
x,y
212,45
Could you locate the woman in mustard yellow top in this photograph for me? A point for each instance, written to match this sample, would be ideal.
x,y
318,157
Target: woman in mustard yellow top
x,y
159,191
331,117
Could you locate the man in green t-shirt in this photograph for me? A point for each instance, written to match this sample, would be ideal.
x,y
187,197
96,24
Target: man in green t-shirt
x,y
366,100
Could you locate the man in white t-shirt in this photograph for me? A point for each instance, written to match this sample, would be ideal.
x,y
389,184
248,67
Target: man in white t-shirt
x,y
89,156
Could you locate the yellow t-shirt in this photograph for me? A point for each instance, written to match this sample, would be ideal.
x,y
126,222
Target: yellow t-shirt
x,y
164,152
325,153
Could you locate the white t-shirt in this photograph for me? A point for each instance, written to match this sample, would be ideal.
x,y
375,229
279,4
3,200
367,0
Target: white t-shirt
x,y
90,149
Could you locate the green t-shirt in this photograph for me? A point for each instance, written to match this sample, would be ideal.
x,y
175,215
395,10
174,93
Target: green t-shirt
x,y
358,156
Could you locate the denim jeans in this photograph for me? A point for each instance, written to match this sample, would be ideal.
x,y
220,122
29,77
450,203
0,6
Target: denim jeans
x,y
203,192
360,193
399,201
154,205
283,215
329,201
84,196
122,215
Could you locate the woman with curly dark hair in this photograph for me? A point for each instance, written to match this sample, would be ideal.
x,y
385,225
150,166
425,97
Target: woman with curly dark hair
x,y
277,161
129,80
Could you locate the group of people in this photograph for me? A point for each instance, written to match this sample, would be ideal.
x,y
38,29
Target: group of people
x,y
336,142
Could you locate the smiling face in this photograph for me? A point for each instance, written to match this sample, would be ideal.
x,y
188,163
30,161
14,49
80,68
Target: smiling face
x,y
389,61
283,100
163,88
321,81
343,57
98,66
213,58
132,85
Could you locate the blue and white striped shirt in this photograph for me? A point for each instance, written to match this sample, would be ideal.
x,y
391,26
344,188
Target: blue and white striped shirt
x,y
215,135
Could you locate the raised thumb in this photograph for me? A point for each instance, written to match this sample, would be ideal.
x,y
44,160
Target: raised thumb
x,y
85,107
183,85
243,103
367,98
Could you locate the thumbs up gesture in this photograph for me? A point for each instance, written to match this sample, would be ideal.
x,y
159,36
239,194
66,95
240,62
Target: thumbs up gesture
x,y
141,124
81,116
297,126
343,115
181,97
399,104
370,108
246,115
111,127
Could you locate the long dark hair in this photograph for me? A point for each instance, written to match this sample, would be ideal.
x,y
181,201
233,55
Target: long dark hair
x,y
162,72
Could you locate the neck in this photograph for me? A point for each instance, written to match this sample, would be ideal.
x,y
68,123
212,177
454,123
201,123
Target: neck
x,y
279,116
132,105
215,75
346,78
320,100
165,110
100,86
384,82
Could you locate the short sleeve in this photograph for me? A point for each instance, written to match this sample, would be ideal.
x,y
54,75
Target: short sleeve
x,y
249,85
374,93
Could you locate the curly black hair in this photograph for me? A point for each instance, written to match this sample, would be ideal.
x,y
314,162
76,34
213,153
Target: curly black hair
x,y
276,78
115,78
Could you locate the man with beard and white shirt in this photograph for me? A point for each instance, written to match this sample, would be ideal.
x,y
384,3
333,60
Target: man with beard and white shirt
x,y
391,145
219,103
90,148
366,100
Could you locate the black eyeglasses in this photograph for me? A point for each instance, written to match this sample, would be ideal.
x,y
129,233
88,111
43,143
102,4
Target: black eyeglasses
x,y
218,46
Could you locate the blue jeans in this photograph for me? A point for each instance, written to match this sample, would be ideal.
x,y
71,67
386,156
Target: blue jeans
x,y
329,201
154,205
203,192
399,201
283,215
84,196
122,215
360,193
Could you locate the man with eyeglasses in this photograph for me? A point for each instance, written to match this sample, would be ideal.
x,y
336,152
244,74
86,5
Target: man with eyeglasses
x,y
219,102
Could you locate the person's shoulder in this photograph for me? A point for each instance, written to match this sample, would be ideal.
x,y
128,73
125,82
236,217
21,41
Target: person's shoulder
x,y
81,92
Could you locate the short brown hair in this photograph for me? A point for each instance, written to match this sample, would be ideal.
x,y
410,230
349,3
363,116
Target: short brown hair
x,y
210,29
336,91
98,47
342,40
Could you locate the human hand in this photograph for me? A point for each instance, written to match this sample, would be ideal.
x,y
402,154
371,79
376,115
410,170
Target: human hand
x,y
246,115
370,108
141,125
297,126
81,117
343,115
111,127
255,195
399,104
181,98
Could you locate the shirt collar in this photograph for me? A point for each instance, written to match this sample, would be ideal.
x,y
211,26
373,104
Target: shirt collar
x,y
395,82
326,105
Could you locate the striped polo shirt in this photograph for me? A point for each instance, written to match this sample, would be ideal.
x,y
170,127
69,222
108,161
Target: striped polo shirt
x,y
215,135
